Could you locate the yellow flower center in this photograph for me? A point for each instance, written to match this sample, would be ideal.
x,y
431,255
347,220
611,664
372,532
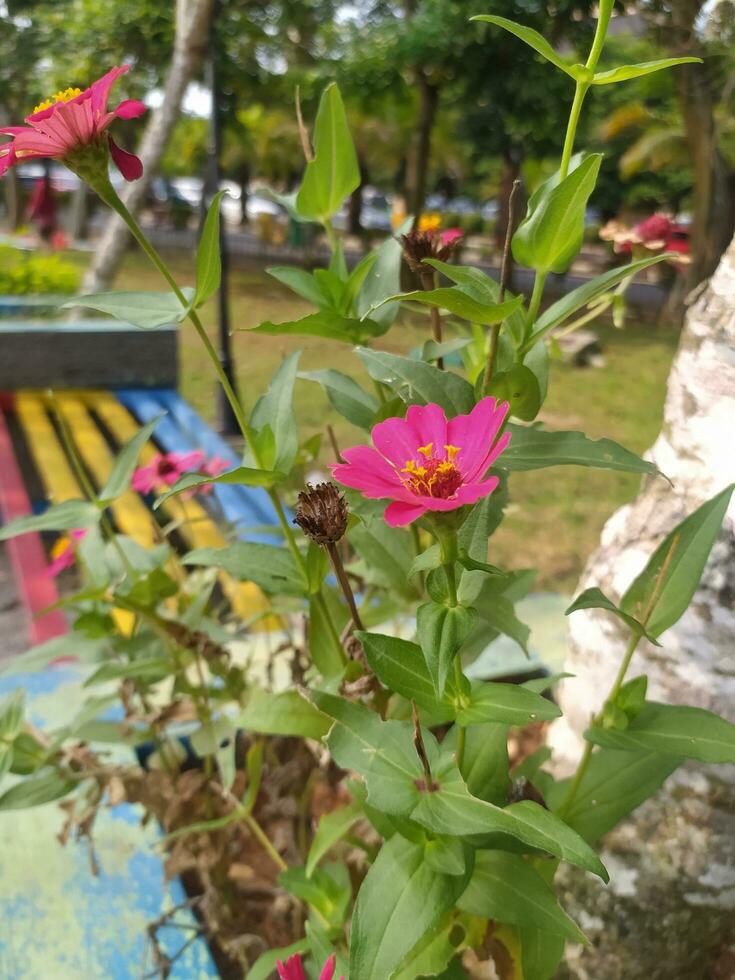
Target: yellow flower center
x,y
433,476
60,546
64,96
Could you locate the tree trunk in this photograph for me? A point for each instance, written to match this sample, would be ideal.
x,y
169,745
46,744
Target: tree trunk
x,y
418,167
667,914
192,33
79,213
698,86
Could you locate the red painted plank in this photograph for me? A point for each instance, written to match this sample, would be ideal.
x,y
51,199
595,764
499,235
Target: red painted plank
x,y
36,588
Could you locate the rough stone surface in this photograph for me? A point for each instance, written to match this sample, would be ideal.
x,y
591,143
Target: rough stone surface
x,y
669,913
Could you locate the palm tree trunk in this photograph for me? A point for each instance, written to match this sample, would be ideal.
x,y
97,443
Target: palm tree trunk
x,y
192,33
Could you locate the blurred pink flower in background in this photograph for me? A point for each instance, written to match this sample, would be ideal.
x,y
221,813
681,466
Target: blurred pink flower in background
x,y
63,553
426,462
72,127
165,469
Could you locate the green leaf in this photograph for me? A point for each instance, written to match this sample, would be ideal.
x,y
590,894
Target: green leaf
x,y
452,810
274,411
11,715
485,766
332,828
571,302
534,40
532,448
401,899
285,713
509,704
401,667
520,389
322,891
441,631
505,887
147,310
265,965
596,599
383,280
334,173
551,234
151,669
383,753
300,282
209,263
541,953
43,786
71,644
419,382
325,323
270,567
124,466
498,611
346,396
613,785
324,649
66,516
625,72
207,739
431,956
246,476
458,302
386,553
665,587
672,729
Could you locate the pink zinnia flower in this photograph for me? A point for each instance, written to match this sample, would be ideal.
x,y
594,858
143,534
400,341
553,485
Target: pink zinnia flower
x,y
293,969
164,470
426,463
63,552
72,127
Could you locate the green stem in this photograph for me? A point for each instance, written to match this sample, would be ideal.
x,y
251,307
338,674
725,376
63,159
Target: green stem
x,y
259,834
587,754
580,92
110,197
461,732
536,295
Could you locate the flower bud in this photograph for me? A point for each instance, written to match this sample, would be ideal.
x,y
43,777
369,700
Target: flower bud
x,y
434,244
322,513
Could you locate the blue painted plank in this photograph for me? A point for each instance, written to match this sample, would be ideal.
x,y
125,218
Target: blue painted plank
x,y
59,920
242,507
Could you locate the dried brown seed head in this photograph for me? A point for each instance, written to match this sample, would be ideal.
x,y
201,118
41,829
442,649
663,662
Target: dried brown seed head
x,y
322,513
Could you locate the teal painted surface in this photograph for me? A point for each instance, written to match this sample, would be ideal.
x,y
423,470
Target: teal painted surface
x,y
59,921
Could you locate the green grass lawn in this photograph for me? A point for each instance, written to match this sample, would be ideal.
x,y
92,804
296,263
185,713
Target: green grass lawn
x,y
556,514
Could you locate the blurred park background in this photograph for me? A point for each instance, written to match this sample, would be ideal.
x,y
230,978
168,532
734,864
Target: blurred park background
x,y
445,115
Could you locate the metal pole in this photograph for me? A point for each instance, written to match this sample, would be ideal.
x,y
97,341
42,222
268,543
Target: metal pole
x,y
226,421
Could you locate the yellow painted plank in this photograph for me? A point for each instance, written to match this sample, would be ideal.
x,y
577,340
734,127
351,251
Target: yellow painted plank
x,y
50,460
129,512
53,467
194,523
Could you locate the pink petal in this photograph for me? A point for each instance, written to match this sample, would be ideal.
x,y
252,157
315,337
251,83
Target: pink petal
x,y
100,90
143,479
398,514
500,446
293,969
130,109
62,561
395,439
429,425
474,435
215,466
130,166
366,470
186,461
328,971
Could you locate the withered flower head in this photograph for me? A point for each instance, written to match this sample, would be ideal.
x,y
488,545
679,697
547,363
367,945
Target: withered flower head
x,y
322,513
433,244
